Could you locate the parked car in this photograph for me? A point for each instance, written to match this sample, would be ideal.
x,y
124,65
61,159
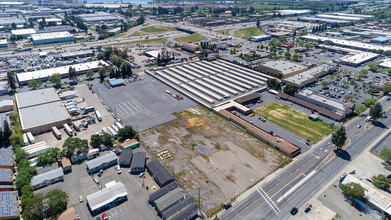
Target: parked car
x,y
104,216
293,211
80,198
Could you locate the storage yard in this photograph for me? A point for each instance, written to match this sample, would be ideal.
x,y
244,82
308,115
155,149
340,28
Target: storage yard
x,y
211,83
204,151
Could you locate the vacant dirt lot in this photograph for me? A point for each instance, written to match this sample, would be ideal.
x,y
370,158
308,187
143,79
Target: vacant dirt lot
x,y
206,152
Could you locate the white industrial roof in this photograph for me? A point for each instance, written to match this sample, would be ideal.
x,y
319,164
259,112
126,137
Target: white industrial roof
x,y
304,76
353,56
285,67
386,63
106,195
53,174
53,35
312,95
292,12
338,17
323,19
153,53
6,103
375,196
3,41
76,53
348,43
36,97
46,73
100,160
23,31
31,117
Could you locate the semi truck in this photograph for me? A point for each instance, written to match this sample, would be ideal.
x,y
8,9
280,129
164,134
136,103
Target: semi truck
x,y
25,139
56,132
98,115
30,137
68,130
112,132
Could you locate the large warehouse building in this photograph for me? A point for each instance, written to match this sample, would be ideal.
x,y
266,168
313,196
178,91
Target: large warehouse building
x,y
43,75
285,68
211,83
23,32
55,37
311,75
97,17
40,110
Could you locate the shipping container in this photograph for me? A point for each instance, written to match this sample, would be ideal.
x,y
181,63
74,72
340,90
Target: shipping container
x,y
98,115
25,139
30,138
68,130
112,132
56,132
119,125
115,128
104,130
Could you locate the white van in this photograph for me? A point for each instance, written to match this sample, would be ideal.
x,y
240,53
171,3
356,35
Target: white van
x,y
368,118
118,169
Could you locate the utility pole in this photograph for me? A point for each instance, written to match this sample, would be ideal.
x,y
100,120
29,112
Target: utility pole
x,y
199,200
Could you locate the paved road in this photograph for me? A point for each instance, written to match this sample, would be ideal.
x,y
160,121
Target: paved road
x,y
302,179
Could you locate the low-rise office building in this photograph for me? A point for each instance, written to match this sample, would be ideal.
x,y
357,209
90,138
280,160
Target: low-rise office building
x,y
318,100
107,197
311,75
102,162
285,68
47,178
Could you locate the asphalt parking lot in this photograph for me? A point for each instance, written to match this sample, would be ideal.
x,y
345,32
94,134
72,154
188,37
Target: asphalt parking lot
x,y
143,104
78,182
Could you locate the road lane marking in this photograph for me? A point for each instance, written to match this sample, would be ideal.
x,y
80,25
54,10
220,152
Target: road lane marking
x,y
290,191
268,200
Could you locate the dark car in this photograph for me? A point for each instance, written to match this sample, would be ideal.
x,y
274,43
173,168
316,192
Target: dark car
x,y
294,211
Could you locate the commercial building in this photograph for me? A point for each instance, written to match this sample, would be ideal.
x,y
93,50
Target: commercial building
x,y
159,173
169,199
76,54
352,57
6,177
190,47
311,75
23,32
178,208
6,105
347,43
47,178
43,75
3,43
98,17
318,100
116,82
138,162
40,110
125,158
377,198
285,68
260,38
336,18
8,21
61,28
386,63
102,162
35,149
107,197
9,205
6,159
133,143
189,213
3,88
54,37
250,98
290,12
161,192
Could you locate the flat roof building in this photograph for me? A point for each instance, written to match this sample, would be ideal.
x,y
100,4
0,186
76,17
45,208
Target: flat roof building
x,y
3,43
285,68
6,105
23,32
43,75
291,12
54,37
40,110
329,104
386,63
311,75
260,38
8,21
98,17
352,57
126,157
107,197
76,54
102,162
61,28
6,159
47,178
9,205
159,173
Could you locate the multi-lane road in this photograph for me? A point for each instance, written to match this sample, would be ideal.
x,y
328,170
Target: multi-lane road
x,y
301,180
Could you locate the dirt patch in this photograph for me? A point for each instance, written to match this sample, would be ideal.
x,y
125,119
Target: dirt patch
x,y
211,154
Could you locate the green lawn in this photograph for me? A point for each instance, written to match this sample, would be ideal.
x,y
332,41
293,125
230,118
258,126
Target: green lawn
x,y
191,38
249,32
158,29
225,31
150,41
138,34
214,39
294,121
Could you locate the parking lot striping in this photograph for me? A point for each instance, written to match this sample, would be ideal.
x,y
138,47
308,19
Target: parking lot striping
x,y
121,110
268,200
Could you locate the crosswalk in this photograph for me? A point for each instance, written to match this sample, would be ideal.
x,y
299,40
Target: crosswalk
x,y
129,108
268,200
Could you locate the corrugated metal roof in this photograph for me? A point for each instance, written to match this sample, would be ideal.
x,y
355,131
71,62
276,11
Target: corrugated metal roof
x,y
159,173
53,174
92,164
106,195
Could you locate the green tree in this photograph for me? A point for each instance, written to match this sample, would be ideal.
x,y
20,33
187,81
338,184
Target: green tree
x,y
27,195
261,47
13,25
373,67
48,157
282,39
381,182
345,71
273,84
360,108
325,84
355,191
34,84
388,70
6,131
291,89
35,208
370,101
89,74
16,140
363,71
338,138
102,74
72,73
127,133
385,153
96,140
126,69
386,89
308,46
11,80
107,140
56,202
376,111
74,146
55,79
287,55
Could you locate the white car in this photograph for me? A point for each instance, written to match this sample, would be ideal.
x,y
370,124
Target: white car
x,y
80,198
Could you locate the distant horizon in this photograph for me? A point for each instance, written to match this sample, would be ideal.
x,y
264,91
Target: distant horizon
x,y
124,1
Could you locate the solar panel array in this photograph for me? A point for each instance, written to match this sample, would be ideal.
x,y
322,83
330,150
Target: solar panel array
x,y
6,201
6,158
